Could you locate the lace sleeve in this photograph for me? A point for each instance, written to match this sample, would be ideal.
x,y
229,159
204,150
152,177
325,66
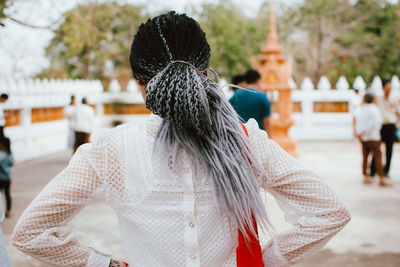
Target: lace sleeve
x,y
43,231
309,204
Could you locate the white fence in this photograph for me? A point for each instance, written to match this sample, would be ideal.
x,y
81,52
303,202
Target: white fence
x,y
312,125
32,138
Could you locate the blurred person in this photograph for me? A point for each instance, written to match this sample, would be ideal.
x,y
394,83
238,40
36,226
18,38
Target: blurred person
x,y
4,259
251,103
368,125
6,162
3,99
390,110
186,182
355,104
69,112
239,80
82,121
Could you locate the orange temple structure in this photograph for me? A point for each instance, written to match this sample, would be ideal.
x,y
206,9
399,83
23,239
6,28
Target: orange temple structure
x,y
275,72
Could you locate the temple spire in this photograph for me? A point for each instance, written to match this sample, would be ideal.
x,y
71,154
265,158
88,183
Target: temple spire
x,y
272,23
272,46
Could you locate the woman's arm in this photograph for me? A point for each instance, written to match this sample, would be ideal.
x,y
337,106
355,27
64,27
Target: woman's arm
x,y
309,204
43,231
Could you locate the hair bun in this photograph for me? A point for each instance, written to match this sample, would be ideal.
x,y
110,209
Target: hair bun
x,y
178,94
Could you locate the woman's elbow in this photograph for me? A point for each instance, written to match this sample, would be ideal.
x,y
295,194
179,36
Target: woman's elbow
x,y
346,216
341,215
17,242
17,239
21,237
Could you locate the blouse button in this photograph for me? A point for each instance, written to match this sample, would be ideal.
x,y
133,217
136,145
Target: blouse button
x,y
186,170
193,257
191,225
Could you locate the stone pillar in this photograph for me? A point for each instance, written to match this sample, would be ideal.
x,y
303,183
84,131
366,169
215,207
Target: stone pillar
x,y
282,124
275,70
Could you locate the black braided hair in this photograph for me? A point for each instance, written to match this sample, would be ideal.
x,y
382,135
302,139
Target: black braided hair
x,y
172,94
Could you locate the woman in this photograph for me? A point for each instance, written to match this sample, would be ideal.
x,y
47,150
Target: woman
x,y
185,184
6,162
4,259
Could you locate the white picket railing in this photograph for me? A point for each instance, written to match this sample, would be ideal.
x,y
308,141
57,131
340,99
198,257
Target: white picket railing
x,y
30,140
315,126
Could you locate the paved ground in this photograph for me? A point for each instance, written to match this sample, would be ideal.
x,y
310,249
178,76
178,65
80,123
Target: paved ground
x,y
372,238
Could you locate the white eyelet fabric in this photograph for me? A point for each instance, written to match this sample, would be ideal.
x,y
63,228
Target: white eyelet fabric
x,y
171,218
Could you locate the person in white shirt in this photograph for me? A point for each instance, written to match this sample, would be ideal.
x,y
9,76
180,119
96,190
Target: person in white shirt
x,y
185,184
82,122
69,112
3,99
390,110
368,125
355,105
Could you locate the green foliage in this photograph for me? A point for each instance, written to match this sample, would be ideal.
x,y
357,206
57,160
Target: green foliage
x,y
3,5
372,47
317,25
325,37
233,38
386,50
91,35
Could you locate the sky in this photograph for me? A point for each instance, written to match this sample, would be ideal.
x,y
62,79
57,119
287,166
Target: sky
x,y
22,49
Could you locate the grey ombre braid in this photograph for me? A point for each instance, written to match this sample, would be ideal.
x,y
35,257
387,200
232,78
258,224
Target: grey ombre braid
x,y
179,95
197,119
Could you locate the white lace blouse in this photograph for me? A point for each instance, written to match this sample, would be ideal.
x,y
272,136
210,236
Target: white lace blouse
x,y
170,219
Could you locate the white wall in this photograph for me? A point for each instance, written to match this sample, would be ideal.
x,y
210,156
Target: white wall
x,y
32,140
312,126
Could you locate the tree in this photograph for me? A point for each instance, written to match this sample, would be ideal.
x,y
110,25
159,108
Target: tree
x,y
384,26
4,15
94,42
233,37
319,25
325,37
3,5
370,48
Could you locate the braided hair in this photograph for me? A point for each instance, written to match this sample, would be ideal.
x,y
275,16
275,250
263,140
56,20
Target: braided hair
x,y
170,55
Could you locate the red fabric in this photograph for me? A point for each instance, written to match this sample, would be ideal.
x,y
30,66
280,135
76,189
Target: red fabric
x,y
249,255
245,130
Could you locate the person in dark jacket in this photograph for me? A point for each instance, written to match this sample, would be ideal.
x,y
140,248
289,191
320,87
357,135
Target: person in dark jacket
x,y
252,103
6,162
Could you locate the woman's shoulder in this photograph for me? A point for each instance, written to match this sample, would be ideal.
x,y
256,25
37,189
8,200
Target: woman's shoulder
x,y
116,137
258,138
105,135
254,130
146,125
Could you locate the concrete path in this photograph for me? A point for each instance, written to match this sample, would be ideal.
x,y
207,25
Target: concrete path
x,y
372,238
